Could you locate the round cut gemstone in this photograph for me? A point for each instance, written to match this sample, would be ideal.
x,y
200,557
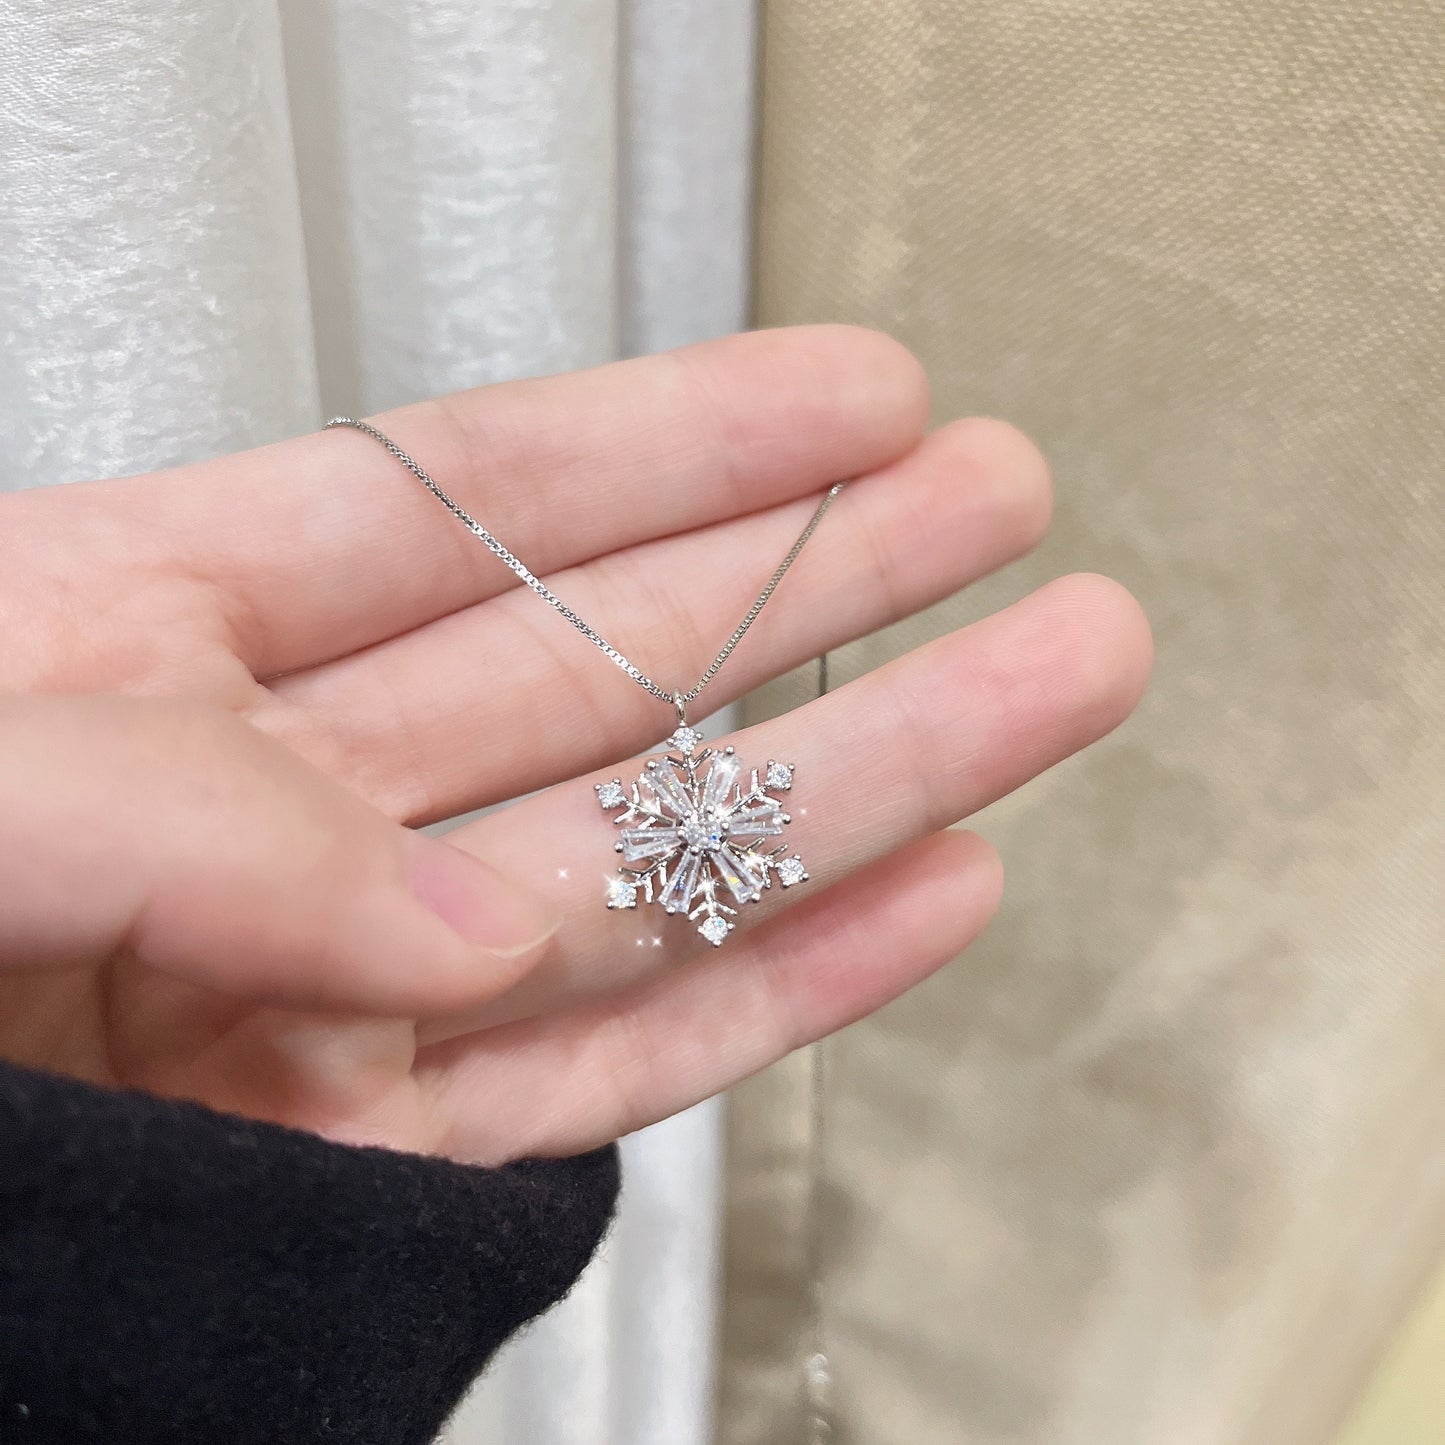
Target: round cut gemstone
x,y
685,739
790,871
715,929
780,776
621,893
702,834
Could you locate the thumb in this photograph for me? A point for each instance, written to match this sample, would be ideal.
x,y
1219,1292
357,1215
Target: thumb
x,y
180,835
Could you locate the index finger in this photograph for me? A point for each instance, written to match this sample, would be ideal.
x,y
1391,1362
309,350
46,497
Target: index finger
x,y
324,544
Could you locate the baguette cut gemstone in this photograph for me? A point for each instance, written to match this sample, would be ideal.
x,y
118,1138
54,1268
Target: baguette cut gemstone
x,y
677,895
742,882
764,820
641,843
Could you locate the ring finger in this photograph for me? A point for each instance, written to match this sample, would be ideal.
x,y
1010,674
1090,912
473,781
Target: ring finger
x,y
911,748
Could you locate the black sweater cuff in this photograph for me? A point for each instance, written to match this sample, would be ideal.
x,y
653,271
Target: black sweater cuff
x,y
170,1274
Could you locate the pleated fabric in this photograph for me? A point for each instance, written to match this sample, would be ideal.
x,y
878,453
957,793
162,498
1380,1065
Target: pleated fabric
x,y
1160,1159
222,223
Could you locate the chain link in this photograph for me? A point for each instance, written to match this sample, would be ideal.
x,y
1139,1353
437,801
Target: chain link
x,y
676,697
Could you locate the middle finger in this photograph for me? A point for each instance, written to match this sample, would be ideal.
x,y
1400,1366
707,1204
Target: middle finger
x,y
504,697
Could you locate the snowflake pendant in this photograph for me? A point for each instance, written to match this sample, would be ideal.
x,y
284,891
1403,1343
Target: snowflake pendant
x,y
696,834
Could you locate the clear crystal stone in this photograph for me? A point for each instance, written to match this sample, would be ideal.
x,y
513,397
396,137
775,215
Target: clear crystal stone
x,y
715,929
671,791
621,893
701,833
639,844
761,820
722,774
780,776
744,884
790,871
692,833
677,896
685,739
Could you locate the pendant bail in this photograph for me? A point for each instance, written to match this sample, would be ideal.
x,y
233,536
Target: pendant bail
x,y
680,703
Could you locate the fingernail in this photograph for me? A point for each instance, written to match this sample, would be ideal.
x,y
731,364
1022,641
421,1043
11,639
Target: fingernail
x,y
475,900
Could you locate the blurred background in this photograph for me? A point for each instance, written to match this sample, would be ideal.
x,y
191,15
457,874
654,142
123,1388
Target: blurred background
x,y
1163,1160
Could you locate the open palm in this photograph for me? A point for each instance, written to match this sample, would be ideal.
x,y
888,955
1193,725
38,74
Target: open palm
x,y
227,686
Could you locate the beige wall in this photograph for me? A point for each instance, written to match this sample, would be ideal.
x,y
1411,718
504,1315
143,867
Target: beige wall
x,y
1160,1160
1404,1402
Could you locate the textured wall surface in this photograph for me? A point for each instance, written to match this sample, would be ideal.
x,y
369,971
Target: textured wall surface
x,y
1160,1159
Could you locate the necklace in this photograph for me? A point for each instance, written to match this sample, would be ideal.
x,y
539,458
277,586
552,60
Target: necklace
x,y
698,828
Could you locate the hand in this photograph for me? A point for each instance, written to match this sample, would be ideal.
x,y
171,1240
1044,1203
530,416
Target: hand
x,y
232,685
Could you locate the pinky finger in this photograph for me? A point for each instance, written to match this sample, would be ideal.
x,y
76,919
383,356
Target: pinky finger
x,y
561,1084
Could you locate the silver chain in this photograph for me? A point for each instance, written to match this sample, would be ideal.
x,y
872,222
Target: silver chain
x,y
677,697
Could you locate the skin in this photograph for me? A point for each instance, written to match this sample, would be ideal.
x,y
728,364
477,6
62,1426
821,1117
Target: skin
x,y
230,692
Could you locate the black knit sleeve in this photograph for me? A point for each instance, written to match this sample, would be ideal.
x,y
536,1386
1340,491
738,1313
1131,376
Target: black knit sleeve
x,y
170,1274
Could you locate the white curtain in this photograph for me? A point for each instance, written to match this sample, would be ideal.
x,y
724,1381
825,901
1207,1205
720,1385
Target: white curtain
x,y
222,222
